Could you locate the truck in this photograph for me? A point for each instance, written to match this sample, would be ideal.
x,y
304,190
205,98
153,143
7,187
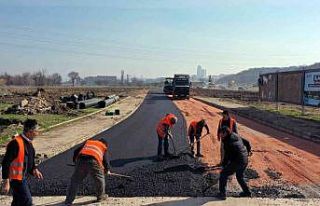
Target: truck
x,y
168,87
181,86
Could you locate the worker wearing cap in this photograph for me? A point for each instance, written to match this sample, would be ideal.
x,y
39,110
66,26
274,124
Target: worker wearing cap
x,y
194,132
164,133
18,162
90,158
235,161
227,121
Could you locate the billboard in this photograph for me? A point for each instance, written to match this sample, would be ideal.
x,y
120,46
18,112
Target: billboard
x,y
312,81
312,88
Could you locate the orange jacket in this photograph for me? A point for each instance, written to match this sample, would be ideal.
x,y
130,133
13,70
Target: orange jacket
x,y
232,123
94,148
193,126
16,166
164,122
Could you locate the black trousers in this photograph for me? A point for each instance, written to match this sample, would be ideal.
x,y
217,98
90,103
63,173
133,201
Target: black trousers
x,y
230,169
197,137
165,142
20,193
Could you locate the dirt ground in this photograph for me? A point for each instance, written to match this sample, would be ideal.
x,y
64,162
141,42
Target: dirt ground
x,y
280,162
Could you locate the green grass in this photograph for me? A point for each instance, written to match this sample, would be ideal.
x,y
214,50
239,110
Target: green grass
x,y
296,113
44,121
4,106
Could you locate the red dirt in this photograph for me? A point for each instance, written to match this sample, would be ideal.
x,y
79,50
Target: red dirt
x,y
297,160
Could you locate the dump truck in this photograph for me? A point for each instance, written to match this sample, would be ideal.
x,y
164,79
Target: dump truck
x,y
168,87
181,86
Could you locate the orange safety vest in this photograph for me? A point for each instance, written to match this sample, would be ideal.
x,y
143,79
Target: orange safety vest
x,y
16,166
163,122
193,125
94,148
231,123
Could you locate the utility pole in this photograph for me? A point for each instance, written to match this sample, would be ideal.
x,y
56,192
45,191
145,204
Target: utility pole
x,y
122,77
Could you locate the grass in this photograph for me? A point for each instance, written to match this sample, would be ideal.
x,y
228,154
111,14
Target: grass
x,y
294,112
4,106
44,121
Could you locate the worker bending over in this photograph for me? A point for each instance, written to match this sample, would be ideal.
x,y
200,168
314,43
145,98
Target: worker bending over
x,y
164,133
195,132
90,158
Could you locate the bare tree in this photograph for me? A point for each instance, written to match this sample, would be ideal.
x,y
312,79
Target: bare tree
x,y
39,78
74,76
54,79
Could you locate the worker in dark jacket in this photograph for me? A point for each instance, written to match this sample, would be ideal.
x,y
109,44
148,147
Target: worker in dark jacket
x,y
18,162
90,158
194,132
227,121
235,161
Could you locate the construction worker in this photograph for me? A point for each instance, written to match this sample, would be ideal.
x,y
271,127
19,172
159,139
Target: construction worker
x,y
90,158
235,161
18,162
227,121
194,132
164,133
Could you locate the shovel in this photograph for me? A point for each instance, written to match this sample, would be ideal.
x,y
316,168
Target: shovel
x,y
110,173
189,146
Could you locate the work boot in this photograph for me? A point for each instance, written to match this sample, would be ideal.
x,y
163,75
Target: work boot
x,y
245,194
221,196
102,198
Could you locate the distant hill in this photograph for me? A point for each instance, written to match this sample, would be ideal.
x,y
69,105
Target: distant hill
x,y
250,76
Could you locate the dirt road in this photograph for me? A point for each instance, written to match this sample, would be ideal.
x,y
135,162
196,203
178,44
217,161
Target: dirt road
x,y
282,165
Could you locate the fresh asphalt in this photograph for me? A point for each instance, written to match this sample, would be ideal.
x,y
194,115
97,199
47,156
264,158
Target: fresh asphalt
x,y
132,143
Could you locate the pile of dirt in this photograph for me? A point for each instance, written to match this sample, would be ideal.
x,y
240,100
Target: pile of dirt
x,y
38,102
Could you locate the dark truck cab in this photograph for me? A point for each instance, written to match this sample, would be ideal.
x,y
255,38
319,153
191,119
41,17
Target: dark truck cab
x,y
168,87
181,85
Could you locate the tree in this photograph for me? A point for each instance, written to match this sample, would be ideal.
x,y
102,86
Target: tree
x,y
55,79
74,76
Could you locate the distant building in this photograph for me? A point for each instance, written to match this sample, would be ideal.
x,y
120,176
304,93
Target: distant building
x,y
201,73
100,80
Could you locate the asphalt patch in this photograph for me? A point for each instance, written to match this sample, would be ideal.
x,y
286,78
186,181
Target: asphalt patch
x,y
251,174
274,175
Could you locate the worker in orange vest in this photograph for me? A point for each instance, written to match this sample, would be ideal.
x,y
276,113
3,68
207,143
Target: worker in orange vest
x,y
226,121
90,158
18,162
194,132
164,133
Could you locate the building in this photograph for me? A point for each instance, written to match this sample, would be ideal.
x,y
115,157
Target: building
x,y
100,80
296,87
201,73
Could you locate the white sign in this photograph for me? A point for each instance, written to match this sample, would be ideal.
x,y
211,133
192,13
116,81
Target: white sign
x,y
312,81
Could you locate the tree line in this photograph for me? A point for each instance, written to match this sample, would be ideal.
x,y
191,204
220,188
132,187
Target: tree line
x,y
40,78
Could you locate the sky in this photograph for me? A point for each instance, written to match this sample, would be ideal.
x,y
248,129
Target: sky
x,y
153,38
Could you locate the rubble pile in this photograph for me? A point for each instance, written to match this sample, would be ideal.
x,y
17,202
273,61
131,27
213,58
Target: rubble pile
x,y
37,103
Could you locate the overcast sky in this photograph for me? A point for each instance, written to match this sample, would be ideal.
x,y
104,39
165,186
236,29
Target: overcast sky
x,y
152,38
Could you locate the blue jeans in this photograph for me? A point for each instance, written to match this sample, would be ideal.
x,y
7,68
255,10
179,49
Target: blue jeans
x,y
165,142
21,193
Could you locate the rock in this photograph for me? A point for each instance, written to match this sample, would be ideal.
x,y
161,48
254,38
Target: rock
x,y
24,103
